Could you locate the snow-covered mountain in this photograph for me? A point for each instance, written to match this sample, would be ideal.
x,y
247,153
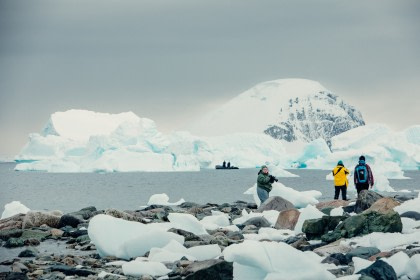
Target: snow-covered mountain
x,y
289,109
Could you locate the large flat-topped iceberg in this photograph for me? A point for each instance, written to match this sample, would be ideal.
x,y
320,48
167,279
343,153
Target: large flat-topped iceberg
x,y
82,124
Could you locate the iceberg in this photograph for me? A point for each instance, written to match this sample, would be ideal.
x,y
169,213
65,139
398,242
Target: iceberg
x,y
163,199
86,141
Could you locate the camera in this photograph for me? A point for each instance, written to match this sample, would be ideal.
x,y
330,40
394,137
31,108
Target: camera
x,y
272,179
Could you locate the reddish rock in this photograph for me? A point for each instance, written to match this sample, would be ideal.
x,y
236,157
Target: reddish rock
x,y
287,219
380,255
14,222
333,203
383,205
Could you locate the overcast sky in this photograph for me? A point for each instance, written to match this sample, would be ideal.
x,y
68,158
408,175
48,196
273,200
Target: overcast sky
x,y
174,60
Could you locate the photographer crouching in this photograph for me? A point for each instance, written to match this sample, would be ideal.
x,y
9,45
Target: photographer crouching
x,y
264,182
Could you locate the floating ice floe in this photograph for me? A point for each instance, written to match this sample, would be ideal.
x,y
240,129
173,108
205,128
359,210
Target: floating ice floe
x,y
13,208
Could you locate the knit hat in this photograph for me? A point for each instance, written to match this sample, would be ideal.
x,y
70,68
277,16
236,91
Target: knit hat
x,y
362,158
263,166
340,162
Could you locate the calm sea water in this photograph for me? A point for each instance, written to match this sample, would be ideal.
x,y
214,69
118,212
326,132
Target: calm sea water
x,y
72,191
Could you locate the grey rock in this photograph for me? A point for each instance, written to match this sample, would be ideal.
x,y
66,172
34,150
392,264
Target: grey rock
x,y
365,200
8,233
13,276
362,252
30,252
235,235
68,270
315,228
275,203
259,222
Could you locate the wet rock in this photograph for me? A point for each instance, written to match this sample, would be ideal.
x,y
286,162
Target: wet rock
x,y
287,219
30,252
8,233
38,218
332,204
75,233
189,236
14,222
75,218
365,200
209,270
362,252
315,228
13,276
379,270
411,214
364,224
67,270
259,222
383,205
275,203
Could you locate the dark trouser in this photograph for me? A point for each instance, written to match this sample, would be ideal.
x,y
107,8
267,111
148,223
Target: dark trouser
x,y
361,186
343,190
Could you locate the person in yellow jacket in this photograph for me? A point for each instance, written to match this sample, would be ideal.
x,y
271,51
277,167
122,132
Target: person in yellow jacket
x,y
340,180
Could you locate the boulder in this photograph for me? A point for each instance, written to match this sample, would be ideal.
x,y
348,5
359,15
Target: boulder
x,y
315,228
365,223
30,252
383,205
332,204
362,252
365,200
215,269
411,214
275,203
259,222
75,218
38,218
287,219
14,222
379,270
28,237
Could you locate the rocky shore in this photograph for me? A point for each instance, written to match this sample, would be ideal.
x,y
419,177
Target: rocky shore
x,y
53,245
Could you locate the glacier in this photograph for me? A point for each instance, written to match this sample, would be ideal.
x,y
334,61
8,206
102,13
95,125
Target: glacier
x,y
134,144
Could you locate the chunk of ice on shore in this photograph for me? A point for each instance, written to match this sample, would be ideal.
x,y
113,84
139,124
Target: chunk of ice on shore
x,y
126,239
309,212
187,222
263,258
163,199
13,208
139,268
